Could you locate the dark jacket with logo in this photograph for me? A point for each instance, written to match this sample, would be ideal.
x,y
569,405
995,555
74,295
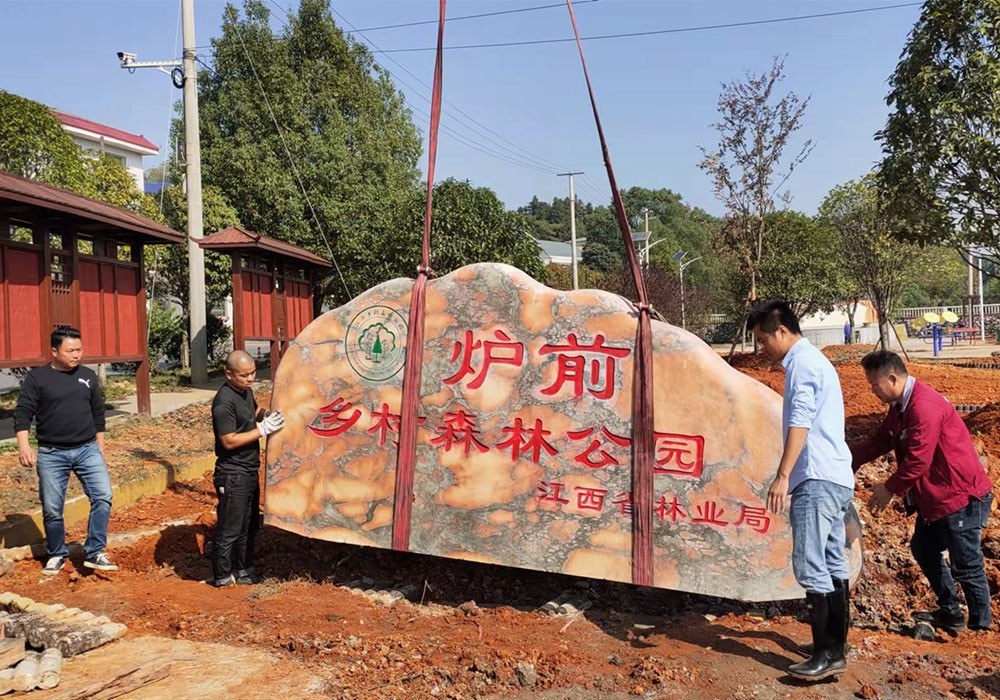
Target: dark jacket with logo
x,y
936,461
67,407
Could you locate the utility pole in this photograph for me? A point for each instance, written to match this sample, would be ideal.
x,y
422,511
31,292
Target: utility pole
x,y
572,225
186,73
192,152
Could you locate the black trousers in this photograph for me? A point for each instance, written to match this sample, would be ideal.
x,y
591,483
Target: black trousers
x,y
239,520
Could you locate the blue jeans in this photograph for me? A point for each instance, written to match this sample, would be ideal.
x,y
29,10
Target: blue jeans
x,y
818,535
959,534
54,467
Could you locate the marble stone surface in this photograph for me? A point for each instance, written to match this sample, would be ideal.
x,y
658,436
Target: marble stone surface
x,y
523,454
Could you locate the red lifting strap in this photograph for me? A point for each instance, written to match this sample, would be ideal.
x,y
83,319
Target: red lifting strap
x,y
406,457
642,376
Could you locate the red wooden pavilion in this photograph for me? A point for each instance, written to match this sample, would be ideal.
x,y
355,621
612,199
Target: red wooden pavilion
x,y
67,259
273,284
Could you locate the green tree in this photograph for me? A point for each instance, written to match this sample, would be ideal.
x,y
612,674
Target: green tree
x,y
941,173
170,263
340,120
604,249
674,227
470,225
598,256
939,279
106,179
878,263
34,145
803,264
561,277
167,266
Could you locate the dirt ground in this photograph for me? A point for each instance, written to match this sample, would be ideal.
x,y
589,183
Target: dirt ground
x,y
476,631
134,449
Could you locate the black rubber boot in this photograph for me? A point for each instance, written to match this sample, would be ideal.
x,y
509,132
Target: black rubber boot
x,y
825,661
842,586
840,616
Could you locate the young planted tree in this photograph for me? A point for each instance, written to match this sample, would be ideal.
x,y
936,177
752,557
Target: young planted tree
x,y
167,266
750,167
879,264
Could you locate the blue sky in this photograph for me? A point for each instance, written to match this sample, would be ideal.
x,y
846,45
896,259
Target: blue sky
x,y
657,94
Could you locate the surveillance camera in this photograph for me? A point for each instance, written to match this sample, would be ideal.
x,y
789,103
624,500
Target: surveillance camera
x,y
126,58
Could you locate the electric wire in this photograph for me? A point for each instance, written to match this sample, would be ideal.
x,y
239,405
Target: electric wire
x,y
544,162
658,32
281,136
483,14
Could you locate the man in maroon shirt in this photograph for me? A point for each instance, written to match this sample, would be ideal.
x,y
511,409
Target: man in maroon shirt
x,y
938,471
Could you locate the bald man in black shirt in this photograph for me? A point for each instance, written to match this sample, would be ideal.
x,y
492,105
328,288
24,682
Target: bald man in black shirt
x,y
238,425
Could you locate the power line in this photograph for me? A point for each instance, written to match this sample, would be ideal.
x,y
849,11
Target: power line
x,y
656,32
295,170
451,133
523,158
484,14
529,160
545,163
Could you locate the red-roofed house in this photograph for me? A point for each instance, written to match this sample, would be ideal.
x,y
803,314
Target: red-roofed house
x,y
126,147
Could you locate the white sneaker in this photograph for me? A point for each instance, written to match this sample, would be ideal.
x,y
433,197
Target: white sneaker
x,y
54,565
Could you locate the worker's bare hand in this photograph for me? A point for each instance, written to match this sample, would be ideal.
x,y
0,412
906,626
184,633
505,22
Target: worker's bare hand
x,y
880,499
27,456
777,494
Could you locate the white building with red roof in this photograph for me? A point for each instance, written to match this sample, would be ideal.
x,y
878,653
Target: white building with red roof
x,y
128,148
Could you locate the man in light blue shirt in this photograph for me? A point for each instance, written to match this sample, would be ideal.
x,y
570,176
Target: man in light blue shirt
x,y
815,469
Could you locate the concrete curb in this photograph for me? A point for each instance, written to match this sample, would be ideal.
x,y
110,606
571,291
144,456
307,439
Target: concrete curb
x,y
22,529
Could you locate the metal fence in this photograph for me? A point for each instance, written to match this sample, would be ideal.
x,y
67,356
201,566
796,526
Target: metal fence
x,y
913,312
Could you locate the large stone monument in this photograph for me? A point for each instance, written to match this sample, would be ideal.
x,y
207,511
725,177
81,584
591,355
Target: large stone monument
x,y
523,444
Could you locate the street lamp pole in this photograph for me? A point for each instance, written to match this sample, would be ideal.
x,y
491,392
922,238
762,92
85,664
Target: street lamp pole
x,y
645,251
572,225
679,257
649,248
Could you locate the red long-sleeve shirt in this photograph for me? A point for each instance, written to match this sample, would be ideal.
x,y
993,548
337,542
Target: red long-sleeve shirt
x,y
935,458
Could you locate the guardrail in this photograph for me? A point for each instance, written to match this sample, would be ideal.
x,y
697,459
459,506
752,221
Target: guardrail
x,y
913,312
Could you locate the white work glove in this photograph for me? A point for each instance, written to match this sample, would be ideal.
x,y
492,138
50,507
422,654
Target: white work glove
x,y
272,423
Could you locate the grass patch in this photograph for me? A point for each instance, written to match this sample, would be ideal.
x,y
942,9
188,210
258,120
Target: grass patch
x,y
265,589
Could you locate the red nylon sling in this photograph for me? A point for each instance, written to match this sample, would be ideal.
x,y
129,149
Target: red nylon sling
x,y
643,442
642,377
406,458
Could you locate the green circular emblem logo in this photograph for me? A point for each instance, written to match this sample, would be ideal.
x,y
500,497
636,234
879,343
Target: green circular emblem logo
x,y
376,343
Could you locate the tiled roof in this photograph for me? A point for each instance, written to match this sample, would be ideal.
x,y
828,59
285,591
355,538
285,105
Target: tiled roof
x,y
236,239
37,194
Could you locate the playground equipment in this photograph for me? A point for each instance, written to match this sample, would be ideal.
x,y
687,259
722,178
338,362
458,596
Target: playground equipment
x,y
936,325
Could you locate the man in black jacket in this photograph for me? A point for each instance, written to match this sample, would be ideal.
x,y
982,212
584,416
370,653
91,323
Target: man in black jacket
x,y
238,425
64,399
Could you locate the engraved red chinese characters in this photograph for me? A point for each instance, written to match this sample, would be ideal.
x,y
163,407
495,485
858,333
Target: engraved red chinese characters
x,y
571,367
336,418
502,351
459,427
680,455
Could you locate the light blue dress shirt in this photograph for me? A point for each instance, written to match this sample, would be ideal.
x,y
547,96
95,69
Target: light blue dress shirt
x,y
813,399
